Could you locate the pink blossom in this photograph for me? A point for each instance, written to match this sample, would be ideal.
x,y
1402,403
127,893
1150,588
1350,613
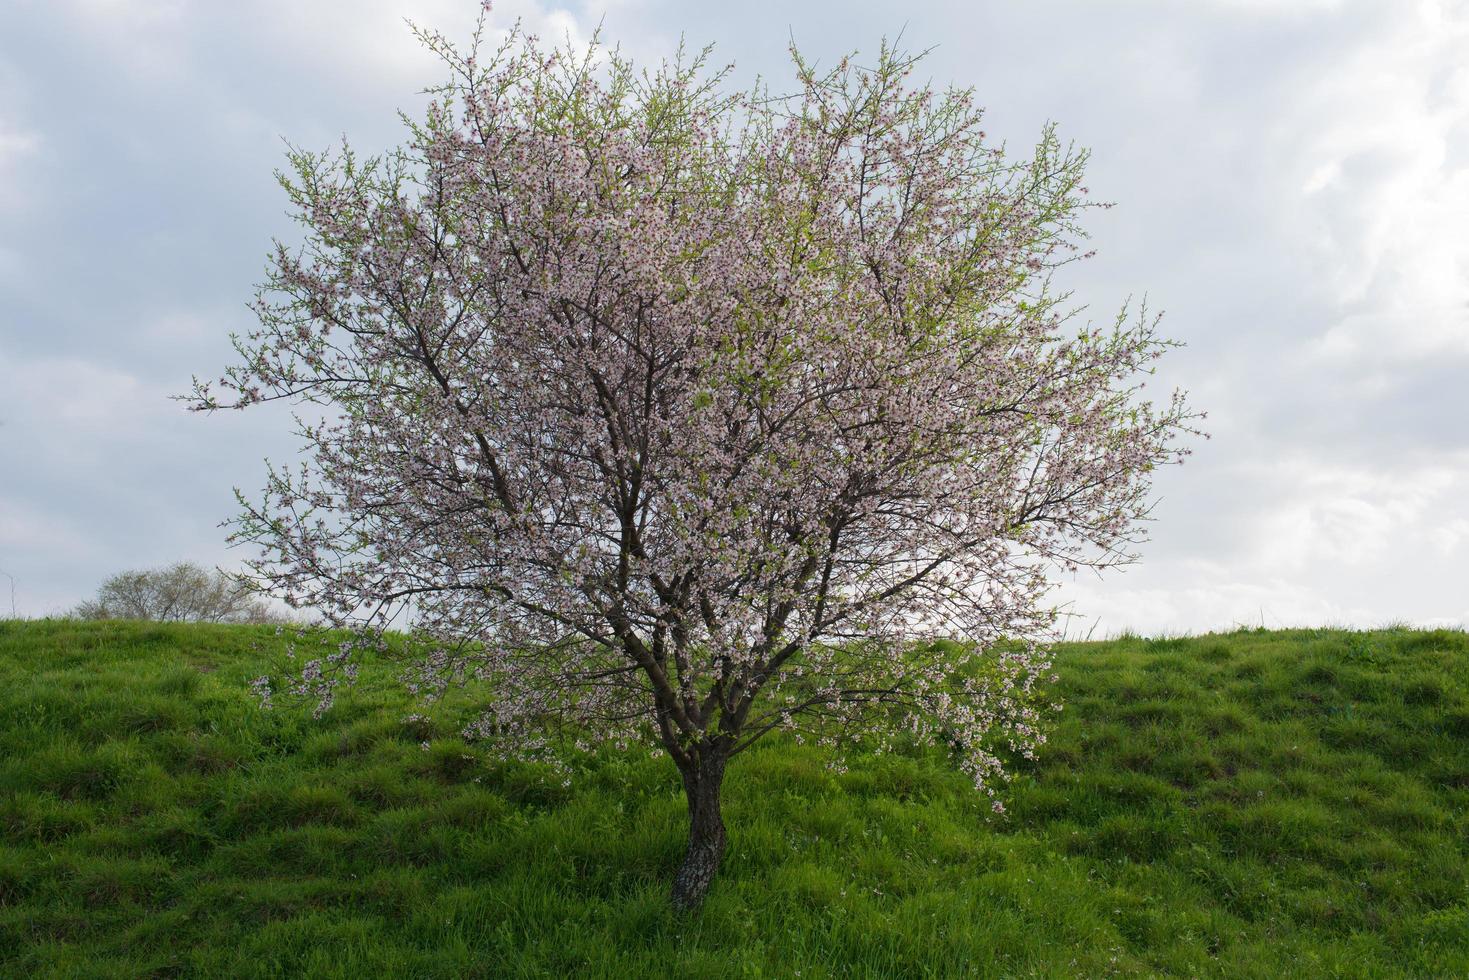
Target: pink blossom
x,y
689,416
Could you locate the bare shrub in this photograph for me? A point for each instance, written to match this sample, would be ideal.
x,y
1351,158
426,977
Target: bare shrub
x,y
182,592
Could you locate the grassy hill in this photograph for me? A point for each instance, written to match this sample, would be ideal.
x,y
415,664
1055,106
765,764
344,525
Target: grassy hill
x,y
1254,804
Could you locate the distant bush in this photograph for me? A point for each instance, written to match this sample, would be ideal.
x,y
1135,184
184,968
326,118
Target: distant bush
x,y
181,592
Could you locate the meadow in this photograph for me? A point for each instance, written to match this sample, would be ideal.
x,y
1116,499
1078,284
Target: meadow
x,y
1289,803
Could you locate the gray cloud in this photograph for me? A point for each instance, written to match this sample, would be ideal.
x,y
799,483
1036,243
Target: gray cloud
x,y
1291,180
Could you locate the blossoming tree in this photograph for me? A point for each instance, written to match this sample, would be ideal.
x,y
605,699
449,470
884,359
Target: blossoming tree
x,y
690,416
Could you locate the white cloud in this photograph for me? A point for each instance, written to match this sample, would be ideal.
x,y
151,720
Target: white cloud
x,y
1452,537
1278,8
1351,517
24,527
1330,543
1384,139
365,43
73,397
1209,601
17,145
371,40
141,38
176,327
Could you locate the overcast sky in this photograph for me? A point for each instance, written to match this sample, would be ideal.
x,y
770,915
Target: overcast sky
x,y
1292,188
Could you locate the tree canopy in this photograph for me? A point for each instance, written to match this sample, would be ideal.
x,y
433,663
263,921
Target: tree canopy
x,y
182,592
688,414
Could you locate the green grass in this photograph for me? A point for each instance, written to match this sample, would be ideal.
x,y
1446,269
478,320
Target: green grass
x,y
1254,804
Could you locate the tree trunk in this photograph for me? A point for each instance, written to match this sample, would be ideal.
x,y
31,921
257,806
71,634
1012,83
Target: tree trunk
x,y
701,782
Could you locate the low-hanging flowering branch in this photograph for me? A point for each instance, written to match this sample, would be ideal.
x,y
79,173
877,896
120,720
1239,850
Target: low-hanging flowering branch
x,y
689,416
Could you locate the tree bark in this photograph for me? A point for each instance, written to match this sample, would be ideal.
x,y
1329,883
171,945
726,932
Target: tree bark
x,y
701,780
